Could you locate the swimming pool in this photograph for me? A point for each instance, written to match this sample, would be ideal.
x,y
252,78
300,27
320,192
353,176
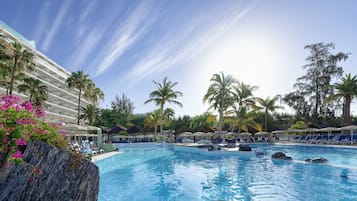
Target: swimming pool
x,y
156,173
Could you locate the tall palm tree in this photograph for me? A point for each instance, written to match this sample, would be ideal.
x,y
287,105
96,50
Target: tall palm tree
x,y
164,94
346,89
38,92
78,80
89,112
268,105
219,95
93,93
243,95
21,59
152,120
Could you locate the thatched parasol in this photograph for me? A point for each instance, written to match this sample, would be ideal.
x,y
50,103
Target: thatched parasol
x,y
117,129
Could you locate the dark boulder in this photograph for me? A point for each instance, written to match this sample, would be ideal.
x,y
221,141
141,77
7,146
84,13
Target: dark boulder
x,y
316,160
281,156
244,148
49,173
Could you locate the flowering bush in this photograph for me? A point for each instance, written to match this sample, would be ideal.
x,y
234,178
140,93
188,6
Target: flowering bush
x,y
20,123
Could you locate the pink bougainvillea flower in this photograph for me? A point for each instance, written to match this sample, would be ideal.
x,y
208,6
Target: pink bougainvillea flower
x,y
21,142
28,106
18,108
28,120
40,112
11,100
18,154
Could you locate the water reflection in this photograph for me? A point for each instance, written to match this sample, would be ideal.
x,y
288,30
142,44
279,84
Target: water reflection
x,y
162,174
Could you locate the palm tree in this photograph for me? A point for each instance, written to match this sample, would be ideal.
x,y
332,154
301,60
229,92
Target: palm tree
x,y
219,95
204,120
268,105
243,95
93,93
38,92
347,90
21,59
164,94
169,114
90,112
4,60
78,80
152,120
244,119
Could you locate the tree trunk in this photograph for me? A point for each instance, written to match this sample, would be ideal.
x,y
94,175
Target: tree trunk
x,y
316,99
347,111
220,124
266,121
79,104
13,70
161,115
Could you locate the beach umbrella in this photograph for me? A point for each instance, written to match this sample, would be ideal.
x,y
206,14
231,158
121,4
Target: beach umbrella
x,y
228,135
185,134
198,134
245,134
329,130
134,129
117,129
351,128
261,134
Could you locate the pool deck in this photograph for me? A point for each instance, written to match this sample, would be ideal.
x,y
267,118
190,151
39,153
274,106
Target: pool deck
x,y
99,157
105,155
352,146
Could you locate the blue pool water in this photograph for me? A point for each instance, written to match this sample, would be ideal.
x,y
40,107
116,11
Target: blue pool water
x,y
157,173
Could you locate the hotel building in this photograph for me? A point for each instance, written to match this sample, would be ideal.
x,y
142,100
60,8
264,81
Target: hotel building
x,y
62,102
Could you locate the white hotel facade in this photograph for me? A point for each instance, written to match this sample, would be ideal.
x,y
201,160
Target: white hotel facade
x,y
62,102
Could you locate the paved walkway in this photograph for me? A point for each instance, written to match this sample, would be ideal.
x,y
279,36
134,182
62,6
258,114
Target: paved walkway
x,y
105,155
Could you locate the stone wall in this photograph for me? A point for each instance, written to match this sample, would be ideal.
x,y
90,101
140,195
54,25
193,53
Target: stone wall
x,y
49,174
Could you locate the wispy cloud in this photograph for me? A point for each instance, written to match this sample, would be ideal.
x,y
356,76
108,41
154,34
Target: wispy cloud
x,y
56,24
86,39
87,10
87,46
42,19
17,17
127,33
186,46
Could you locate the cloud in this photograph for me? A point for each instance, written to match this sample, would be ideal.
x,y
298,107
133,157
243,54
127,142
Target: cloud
x,y
87,46
186,46
86,39
88,9
56,24
17,17
41,20
126,34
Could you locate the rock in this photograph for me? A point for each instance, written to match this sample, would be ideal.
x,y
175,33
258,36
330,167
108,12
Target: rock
x,y
278,155
281,156
245,148
49,173
316,160
288,158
